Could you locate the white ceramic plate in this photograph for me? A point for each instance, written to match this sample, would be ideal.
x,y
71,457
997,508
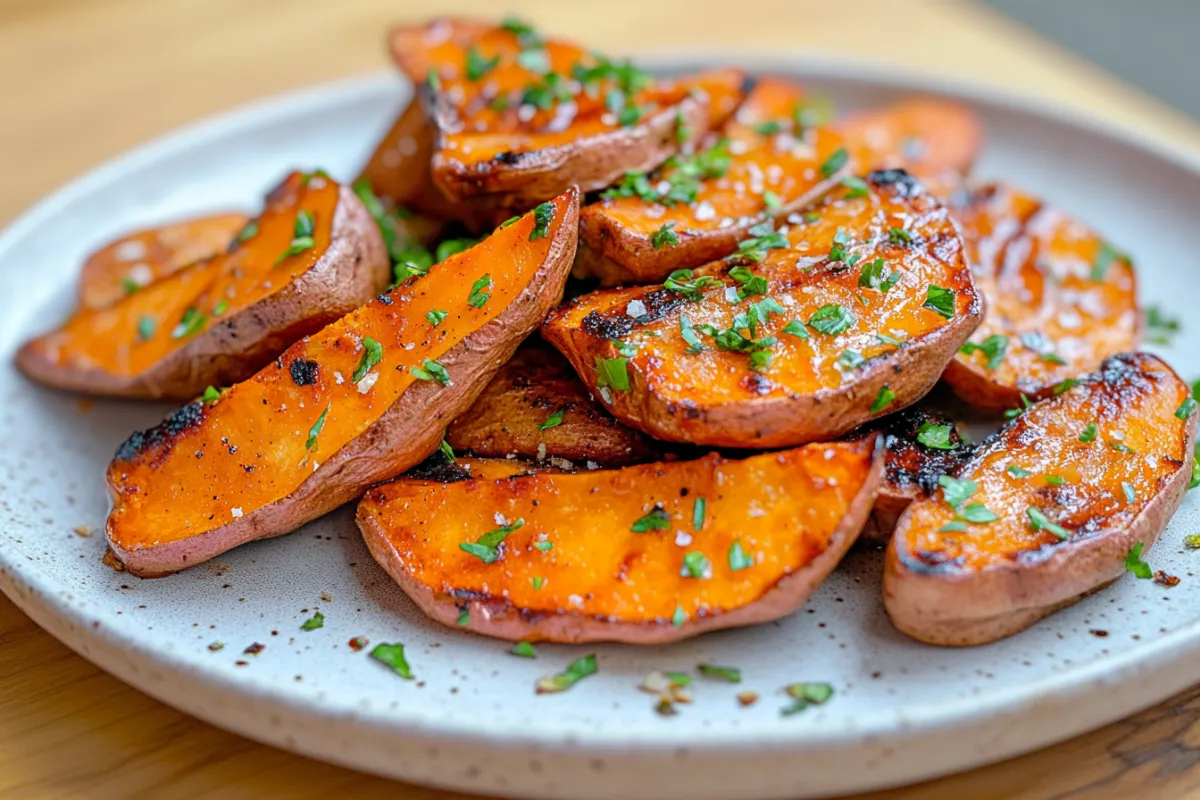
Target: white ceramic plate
x,y
902,711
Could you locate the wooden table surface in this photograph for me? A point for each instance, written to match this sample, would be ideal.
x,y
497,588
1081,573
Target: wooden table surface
x,y
86,80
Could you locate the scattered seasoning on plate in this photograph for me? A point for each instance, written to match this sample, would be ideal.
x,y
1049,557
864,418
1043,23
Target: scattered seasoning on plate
x,y
576,671
254,649
392,655
317,621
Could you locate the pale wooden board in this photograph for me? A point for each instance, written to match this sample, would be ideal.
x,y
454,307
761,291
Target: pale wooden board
x,y
77,77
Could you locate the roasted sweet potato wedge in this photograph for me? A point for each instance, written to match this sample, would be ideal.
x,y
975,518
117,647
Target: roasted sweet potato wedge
x,y
1059,300
537,408
312,255
646,554
519,118
935,139
136,260
1045,511
849,313
922,445
360,401
697,208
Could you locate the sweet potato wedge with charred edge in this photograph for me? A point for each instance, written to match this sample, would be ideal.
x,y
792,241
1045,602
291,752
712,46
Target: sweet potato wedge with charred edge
x,y
1075,481
537,408
313,255
1059,300
935,139
911,468
138,259
519,118
879,264
764,166
646,554
361,401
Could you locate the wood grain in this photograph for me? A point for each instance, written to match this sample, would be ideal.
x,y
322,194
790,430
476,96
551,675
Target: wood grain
x,y
86,80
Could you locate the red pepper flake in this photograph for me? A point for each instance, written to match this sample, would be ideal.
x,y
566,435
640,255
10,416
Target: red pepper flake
x,y
1163,579
747,698
358,643
254,649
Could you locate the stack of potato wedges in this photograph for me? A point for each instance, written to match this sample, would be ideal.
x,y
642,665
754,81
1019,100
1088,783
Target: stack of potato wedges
x,y
763,294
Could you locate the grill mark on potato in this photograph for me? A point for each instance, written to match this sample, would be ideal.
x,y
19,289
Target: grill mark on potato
x,y
162,434
898,181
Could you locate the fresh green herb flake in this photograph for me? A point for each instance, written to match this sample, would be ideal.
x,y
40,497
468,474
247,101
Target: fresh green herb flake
x,y
835,162
191,323
464,618
940,300
1089,434
695,565
478,66
478,296
543,546
738,557
552,421
372,355
613,373
315,430
211,395
665,237
679,617
576,671
447,451
956,492
487,547
796,328
882,400
1134,563
1040,522
1055,480
993,347
436,317
543,215
855,186
699,509
1185,410
656,520
146,327
1130,492
248,231
727,674
831,319
392,655
524,650
316,621
936,436
431,370
537,583
1018,472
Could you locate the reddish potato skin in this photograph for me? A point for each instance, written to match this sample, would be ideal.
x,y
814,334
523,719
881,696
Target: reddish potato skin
x,y
956,607
911,469
401,437
537,382
498,618
353,267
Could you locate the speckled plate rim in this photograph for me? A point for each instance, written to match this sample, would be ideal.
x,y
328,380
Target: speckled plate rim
x,y
1131,680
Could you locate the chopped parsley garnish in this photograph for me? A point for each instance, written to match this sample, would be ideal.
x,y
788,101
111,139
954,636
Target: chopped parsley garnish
x,y
851,359
1052,358
994,347
978,513
664,237
872,276
768,127
436,317
1134,563
552,421
249,231
749,284
1159,327
450,247
525,33
699,507
613,373
940,300
695,565
681,281
191,323
856,187
956,492
1013,413
683,131
804,695
771,201
129,285
486,547
302,238
478,296
936,436
1185,410
762,238
796,328
1040,522
835,162
1018,472
316,621
543,94
1066,384
464,618
1055,480
1192,542
447,451
1120,447
657,520
1106,254
372,355
831,319
537,583
576,671
543,215
679,617
900,236
727,674
479,66
534,59
392,655
688,334
316,429
738,557
431,78
543,546
837,252
431,370
1130,492
1089,434
524,650
221,307
146,327
883,399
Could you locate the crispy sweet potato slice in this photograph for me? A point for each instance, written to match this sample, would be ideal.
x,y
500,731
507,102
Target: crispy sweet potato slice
x,y
922,445
313,255
361,401
1074,482
696,209
138,259
935,139
520,118
537,408
856,313
1059,300
646,554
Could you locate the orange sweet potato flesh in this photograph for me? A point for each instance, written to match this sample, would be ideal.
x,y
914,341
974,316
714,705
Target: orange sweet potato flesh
x,y
1061,299
492,143
809,390
783,519
536,389
935,139
775,166
964,587
911,468
138,259
314,429
220,320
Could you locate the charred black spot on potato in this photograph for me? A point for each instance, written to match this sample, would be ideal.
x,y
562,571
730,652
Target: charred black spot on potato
x,y
910,464
304,372
140,442
607,327
439,468
508,157
386,299
898,181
